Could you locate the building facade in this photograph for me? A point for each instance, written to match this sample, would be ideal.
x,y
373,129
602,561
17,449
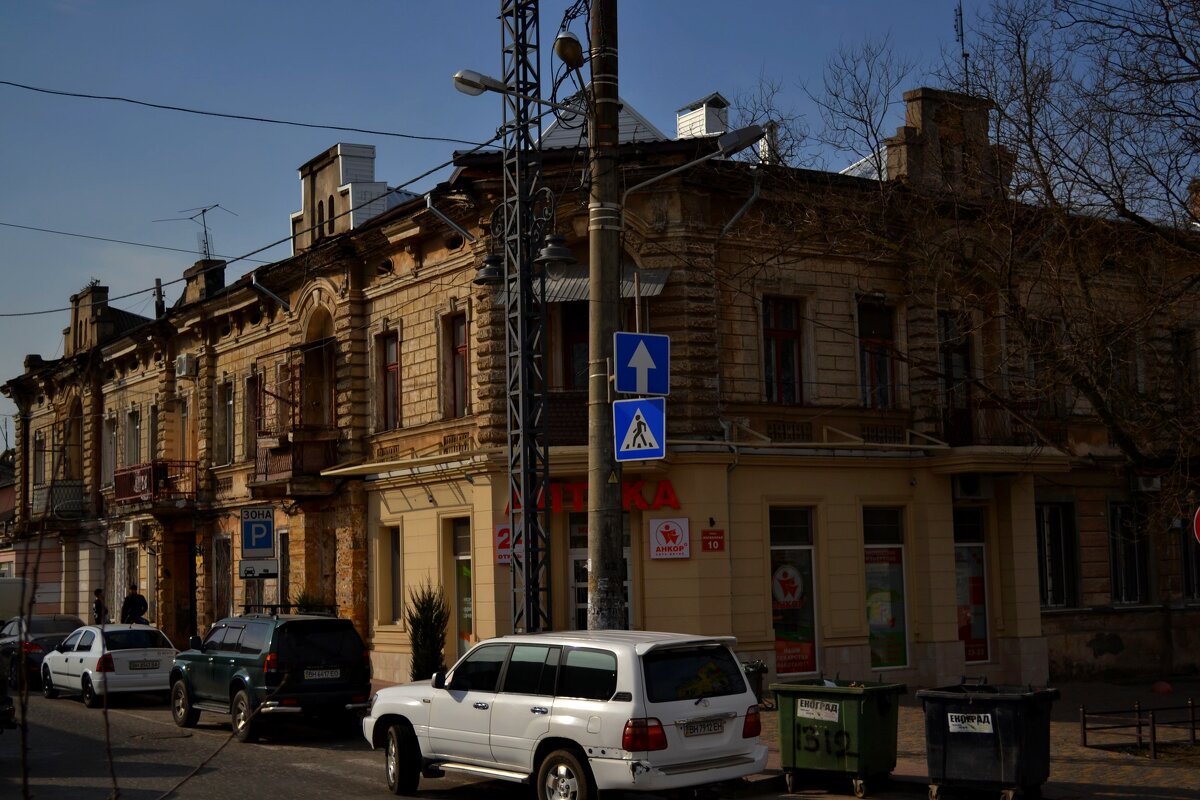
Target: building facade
x,y
868,471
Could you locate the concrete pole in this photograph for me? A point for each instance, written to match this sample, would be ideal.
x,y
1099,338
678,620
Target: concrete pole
x,y
606,565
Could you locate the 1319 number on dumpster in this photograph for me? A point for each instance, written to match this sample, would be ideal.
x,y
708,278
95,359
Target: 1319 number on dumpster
x,y
815,738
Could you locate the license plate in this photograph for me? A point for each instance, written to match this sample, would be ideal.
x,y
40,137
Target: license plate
x,y
703,728
319,674
143,665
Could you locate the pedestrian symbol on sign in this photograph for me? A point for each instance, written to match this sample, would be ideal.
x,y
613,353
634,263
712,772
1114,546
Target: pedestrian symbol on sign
x,y
639,435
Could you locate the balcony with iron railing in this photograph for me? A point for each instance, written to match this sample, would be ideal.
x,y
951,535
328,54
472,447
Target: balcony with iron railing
x,y
167,484
61,499
1007,423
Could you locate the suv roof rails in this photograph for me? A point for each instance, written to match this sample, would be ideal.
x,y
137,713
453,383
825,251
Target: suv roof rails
x,y
275,609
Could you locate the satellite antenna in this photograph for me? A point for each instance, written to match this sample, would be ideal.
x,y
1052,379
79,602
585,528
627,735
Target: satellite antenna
x,y
203,239
960,35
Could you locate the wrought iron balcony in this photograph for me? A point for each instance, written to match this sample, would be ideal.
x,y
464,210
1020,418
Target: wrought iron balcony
x,y
302,458
156,482
59,499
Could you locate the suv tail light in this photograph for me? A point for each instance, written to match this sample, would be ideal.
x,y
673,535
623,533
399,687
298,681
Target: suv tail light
x,y
105,663
644,733
752,724
271,663
30,648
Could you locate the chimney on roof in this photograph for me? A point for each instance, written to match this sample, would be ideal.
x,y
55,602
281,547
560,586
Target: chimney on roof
x,y
203,280
943,145
88,326
708,116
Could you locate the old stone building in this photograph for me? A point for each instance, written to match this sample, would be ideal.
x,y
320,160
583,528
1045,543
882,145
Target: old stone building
x,y
869,470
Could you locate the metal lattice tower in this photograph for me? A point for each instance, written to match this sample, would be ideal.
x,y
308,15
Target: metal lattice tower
x,y
525,307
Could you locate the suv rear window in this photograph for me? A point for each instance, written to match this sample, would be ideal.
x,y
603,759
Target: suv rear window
x,y
688,673
318,642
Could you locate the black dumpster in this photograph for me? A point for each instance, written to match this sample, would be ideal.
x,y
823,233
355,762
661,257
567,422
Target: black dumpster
x,y
988,737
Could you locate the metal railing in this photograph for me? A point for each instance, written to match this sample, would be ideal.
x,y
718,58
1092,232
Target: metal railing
x,y
1138,725
62,499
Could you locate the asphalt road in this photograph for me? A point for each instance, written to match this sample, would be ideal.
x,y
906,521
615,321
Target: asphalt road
x,y
67,758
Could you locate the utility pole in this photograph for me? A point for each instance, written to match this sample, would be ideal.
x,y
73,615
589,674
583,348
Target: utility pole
x,y
606,565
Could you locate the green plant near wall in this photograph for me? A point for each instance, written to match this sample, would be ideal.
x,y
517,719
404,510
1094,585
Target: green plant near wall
x,y
428,616
306,602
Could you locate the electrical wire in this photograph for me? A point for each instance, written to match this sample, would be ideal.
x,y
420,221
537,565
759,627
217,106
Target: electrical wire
x,y
114,241
243,117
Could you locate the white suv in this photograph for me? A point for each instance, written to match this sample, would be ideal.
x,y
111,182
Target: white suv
x,y
577,711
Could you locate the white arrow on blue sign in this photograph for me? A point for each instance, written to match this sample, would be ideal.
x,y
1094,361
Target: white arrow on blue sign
x,y
642,363
640,428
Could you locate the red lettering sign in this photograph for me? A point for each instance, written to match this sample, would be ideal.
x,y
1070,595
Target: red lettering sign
x,y
712,541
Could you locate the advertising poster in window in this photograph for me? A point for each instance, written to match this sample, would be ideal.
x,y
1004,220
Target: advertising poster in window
x,y
792,592
885,606
972,602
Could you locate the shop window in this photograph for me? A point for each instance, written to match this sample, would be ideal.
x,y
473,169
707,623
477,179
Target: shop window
x,y
460,533
782,362
133,438
224,428
883,535
876,355
1129,553
1058,570
394,579
970,583
456,372
389,381
793,590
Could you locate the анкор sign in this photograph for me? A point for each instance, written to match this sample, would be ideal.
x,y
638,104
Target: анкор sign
x,y
258,532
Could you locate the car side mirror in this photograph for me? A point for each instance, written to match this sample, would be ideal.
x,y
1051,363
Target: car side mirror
x,y
439,680
62,647
194,643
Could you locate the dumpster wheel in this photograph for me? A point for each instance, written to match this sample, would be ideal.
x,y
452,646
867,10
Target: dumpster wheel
x,y
860,787
933,791
790,778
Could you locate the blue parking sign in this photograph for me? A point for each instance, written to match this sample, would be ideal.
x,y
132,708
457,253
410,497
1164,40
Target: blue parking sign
x,y
258,532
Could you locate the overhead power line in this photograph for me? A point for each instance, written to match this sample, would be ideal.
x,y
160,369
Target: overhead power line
x,y
114,241
244,117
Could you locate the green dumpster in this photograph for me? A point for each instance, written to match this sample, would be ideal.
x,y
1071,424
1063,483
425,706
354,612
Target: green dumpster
x,y
838,726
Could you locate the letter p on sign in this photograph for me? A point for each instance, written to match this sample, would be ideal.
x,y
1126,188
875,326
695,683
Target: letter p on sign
x,y
258,533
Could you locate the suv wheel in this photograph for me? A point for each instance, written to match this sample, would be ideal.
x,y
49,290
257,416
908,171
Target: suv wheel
x,y
242,716
48,690
182,712
563,777
403,760
90,698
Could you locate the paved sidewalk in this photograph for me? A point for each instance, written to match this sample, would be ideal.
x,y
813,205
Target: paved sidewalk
x,y
1075,771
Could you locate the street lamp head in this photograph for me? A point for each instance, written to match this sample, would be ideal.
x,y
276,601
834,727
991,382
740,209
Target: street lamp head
x,y
555,256
491,272
468,81
736,141
569,49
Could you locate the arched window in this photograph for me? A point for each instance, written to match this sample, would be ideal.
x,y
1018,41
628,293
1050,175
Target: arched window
x,y
320,226
332,216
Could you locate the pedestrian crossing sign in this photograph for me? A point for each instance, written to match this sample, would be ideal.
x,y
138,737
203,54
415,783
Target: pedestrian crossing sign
x,y
640,428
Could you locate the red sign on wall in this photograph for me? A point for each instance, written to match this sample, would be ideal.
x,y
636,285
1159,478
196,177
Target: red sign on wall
x,y
712,541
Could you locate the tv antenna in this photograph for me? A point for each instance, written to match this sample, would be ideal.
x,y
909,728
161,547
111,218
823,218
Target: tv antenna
x,y
204,240
960,34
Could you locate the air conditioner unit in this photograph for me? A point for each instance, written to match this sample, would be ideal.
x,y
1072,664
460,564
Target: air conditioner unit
x,y
1146,483
186,365
971,486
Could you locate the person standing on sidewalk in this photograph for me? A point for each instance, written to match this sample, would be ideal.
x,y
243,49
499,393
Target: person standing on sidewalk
x,y
99,609
133,610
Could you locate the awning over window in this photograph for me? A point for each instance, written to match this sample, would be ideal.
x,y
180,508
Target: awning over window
x,y
573,283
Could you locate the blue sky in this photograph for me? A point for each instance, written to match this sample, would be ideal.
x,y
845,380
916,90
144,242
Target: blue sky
x,y
111,169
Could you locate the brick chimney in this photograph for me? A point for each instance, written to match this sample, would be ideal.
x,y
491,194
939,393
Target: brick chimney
x,y
204,279
943,145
